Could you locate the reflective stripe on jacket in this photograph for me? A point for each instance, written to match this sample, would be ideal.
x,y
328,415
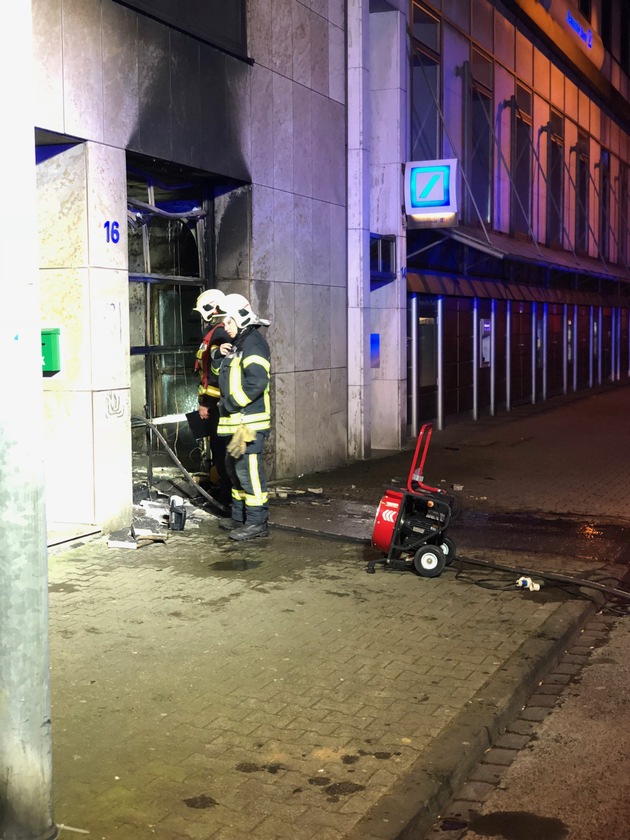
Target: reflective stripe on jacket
x,y
244,384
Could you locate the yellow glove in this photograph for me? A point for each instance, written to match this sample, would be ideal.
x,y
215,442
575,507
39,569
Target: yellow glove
x,y
239,440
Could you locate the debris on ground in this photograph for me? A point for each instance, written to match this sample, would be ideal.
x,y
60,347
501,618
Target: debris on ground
x,y
147,528
122,539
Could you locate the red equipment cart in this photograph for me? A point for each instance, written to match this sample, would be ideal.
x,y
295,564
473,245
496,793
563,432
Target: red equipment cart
x,y
411,522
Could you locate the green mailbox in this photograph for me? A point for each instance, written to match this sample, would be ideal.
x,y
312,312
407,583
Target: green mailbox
x,y
50,351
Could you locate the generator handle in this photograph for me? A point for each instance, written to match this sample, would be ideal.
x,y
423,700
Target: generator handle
x,y
416,473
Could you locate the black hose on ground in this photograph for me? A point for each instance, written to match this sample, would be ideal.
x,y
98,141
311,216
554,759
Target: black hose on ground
x,y
549,576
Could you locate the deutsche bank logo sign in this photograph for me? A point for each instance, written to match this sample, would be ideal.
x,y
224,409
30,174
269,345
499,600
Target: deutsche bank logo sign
x,y
431,187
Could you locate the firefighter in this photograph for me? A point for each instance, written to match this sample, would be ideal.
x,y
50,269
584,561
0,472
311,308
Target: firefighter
x,y
208,391
243,366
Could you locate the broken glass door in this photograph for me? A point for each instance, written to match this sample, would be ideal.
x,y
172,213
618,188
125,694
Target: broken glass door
x,y
167,271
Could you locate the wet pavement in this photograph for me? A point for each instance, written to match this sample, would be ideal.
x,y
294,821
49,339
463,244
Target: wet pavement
x,y
207,689
578,717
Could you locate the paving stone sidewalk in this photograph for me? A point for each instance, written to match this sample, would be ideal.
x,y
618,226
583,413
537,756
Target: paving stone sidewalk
x,y
486,776
567,456
203,689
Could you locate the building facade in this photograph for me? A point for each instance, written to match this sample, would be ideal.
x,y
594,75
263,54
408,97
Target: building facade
x,y
180,149
523,293
263,148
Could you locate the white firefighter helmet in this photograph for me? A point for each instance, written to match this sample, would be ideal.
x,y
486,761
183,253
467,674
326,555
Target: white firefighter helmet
x,y
240,310
208,302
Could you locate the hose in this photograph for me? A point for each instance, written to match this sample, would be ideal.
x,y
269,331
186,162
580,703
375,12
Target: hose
x,y
549,576
181,467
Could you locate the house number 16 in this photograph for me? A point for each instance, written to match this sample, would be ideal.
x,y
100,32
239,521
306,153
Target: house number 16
x,y
112,231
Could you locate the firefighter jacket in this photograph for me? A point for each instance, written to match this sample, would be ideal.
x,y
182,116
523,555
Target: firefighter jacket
x,y
244,383
208,381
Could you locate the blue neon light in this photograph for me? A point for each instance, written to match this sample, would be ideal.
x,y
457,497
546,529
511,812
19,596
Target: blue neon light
x,y
585,34
375,350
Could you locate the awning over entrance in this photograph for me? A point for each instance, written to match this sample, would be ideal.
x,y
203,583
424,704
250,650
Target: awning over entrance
x,y
435,284
503,246
427,277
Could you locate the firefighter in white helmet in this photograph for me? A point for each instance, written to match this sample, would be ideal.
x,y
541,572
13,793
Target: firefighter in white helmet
x,y
208,391
243,366
208,302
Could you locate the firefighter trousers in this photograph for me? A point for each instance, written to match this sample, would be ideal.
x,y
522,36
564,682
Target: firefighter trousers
x,y
249,483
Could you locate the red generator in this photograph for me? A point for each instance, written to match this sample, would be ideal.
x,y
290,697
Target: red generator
x,y
411,522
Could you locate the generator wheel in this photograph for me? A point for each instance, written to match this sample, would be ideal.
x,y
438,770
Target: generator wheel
x,y
449,548
429,561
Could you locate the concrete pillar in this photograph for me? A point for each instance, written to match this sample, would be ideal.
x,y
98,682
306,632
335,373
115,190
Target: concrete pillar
x,y
25,727
358,105
388,148
85,293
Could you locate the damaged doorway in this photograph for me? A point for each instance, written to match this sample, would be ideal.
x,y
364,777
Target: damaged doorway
x,y
169,224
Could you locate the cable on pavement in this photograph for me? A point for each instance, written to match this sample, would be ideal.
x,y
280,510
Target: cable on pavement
x,y
562,581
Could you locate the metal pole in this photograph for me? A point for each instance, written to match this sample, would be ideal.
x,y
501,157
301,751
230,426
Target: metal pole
x,y
619,318
619,336
576,313
565,347
616,314
591,334
414,384
600,344
25,727
440,363
493,367
533,351
617,343
613,350
545,322
475,338
508,356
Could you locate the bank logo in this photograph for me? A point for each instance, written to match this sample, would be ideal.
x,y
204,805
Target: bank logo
x,y
431,187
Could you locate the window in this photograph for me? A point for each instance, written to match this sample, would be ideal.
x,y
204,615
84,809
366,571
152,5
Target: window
x,y
162,380
382,258
605,25
168,263
166,225
426,28
585,8
624,42
555,181
521,170
581,193
427,346
479,146
604,204
481,153
425,87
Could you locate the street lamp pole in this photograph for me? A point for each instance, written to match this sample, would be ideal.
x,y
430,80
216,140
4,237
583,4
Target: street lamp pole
x,y
25,727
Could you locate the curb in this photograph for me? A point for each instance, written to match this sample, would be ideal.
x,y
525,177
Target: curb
x,y
411,807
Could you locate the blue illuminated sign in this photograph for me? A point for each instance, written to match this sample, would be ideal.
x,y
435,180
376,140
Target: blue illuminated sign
x,y
375,350
431,187
585,34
